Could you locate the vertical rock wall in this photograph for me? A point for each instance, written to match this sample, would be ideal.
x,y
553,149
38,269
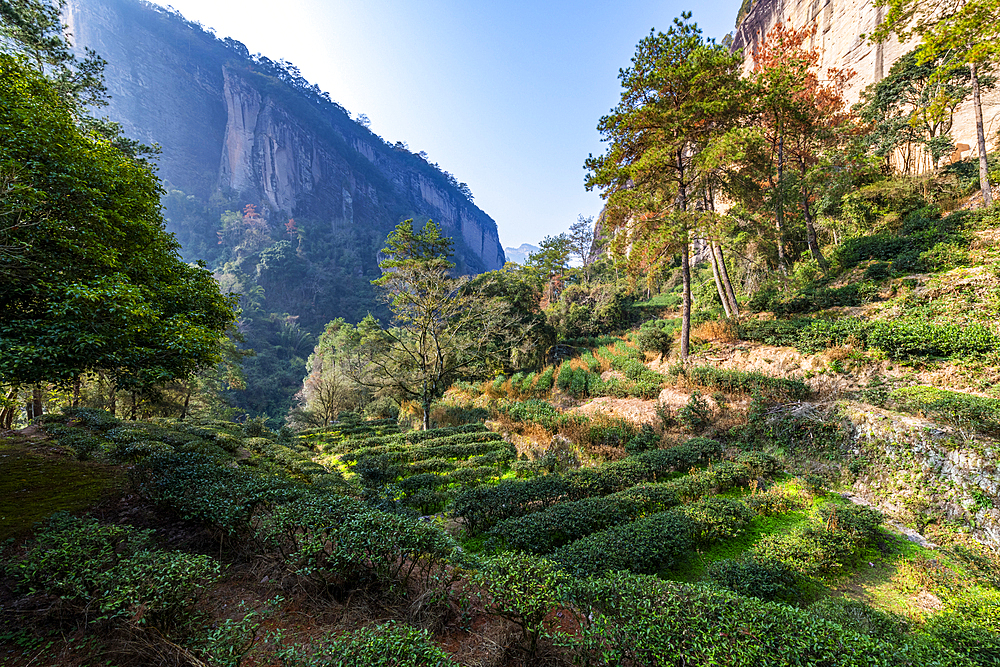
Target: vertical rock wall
x,y
222,127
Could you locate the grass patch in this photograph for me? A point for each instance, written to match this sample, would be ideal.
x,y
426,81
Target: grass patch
x,y
694,569
34,486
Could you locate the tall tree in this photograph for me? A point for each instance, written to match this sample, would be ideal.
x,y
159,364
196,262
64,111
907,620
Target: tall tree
x,y
968,31
441,326
586,242
678,95
97,283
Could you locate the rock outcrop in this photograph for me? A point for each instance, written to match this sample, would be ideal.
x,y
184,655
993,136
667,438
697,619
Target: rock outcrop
x,y
922,471
225,124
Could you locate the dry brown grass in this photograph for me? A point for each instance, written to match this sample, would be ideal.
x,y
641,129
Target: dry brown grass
x,y
720,331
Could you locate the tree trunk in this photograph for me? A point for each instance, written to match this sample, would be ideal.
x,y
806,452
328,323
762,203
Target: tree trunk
x,y
810,227
723,297
427,413
977,104
76,391
187,401
779,206
36,401
133,407
686,316
733,303
7,413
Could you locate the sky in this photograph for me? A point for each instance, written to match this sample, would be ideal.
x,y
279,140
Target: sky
x,y
505,95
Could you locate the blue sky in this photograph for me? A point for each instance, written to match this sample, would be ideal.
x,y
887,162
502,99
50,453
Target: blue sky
x,y
505,95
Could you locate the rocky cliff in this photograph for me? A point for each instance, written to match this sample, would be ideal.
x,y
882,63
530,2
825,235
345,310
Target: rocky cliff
x,y
841,26
226,123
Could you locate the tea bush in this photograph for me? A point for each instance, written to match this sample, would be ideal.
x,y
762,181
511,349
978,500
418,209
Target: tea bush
x,y
644,546
337,542
642,620
483,507
859,617
198,489
811,550
899,339
718,518
957,408
745,382
522,589
756,577
115,571
545,531
387,645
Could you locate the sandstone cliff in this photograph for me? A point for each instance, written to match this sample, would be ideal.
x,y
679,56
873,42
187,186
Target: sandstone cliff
x,y
839,38
224,125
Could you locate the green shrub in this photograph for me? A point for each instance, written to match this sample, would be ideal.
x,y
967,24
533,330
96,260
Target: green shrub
x,y
545,531
386,645
746,382
954,407
646,439
483,507
695,414
863,524
198,489
810,550
545,379
522,589
970,624
97,420
692,452
113,572
644,546
718,518
899,339
861,618
337,542
642,620
756,577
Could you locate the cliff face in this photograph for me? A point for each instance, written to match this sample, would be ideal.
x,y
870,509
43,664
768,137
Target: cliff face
x,y
839,38
225,126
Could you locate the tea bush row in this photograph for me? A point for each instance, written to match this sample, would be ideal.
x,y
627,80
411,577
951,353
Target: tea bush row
x,y
385,645
382,469
899,339
544,531
634,619
659,541
744,382
431,447
812,299
957,408
395,441
483,507
341,543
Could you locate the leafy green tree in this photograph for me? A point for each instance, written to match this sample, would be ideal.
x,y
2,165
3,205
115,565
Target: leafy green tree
x,y
914,106
550,264
34,29
438,329
680,94
953,31
586,242
96,283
